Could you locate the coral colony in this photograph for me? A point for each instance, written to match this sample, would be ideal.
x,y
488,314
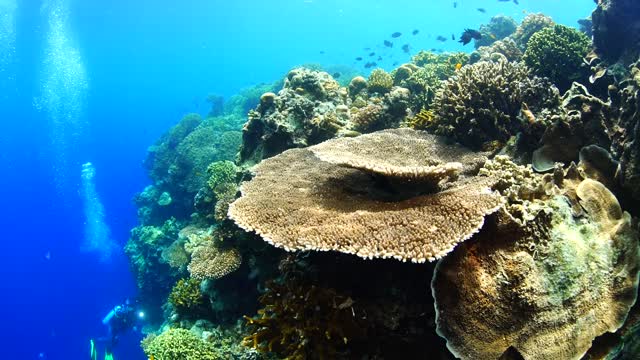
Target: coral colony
x,y
476,206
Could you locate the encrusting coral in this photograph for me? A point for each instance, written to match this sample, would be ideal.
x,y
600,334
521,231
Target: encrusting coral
x,y
546,289
557,53
298,202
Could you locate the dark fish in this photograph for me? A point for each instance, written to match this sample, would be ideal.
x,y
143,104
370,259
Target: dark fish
x,y
396,34
516,2
358,58
441,38
482,10
455,4
388,43
322,52
372,54
394,63
370,65
468,35
405,48
453,36
379,58
415,32
336,75
367,49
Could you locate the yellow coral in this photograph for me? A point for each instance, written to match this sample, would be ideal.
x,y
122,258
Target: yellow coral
x,y
379,82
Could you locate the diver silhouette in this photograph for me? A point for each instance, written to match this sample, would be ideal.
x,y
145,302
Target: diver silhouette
x,y
118,321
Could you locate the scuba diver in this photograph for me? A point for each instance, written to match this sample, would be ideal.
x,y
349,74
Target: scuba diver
x,y
118,321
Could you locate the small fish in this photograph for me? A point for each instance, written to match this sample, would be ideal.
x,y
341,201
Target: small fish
x,y
396,34
455,4
321,51
359,58
367,49
458,66
516,2
482,10
394,63
336,75
379,58
372,54
468,35
415,32
370,65
405,48
441,38
388,43
492,36
453,36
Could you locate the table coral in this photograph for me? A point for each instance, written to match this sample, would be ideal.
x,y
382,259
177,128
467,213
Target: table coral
x,y
298,202
546,289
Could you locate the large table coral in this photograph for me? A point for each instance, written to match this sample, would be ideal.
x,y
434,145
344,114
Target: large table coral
x,y
545,290
298,202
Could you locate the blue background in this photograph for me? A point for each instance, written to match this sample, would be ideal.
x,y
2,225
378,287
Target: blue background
x,y
148,63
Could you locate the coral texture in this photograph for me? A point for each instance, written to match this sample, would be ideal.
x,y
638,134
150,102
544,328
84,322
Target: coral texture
x,y
482,103
546,289
557,53
176,344
401,153
531,24
297,202
212,262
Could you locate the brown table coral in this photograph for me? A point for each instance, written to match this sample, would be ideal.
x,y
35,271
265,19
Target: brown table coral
x,y
298,202
546,289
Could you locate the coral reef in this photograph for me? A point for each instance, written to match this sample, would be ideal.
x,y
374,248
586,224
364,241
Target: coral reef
x,y
556,53
498,28
297,202
506,49
211,262
616,30
531,24
545,290
482,103
186,297
303,113
379,82
178,344
425,75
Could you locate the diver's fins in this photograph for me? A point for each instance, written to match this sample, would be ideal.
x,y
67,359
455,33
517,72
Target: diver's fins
x,y
94,352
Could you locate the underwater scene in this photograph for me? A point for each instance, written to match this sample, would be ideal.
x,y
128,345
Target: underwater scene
x,y
320,179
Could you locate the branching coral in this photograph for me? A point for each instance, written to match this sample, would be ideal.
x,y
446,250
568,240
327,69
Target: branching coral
x,y
379,82
305,322
557,53
176,344
186,296
482,103
212,262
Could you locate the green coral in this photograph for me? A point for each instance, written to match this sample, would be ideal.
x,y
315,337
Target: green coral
x,y
379,82
176,344
221,173
427,79
557,53
186,295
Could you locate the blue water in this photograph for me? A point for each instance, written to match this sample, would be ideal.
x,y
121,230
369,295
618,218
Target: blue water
x,y
99,81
